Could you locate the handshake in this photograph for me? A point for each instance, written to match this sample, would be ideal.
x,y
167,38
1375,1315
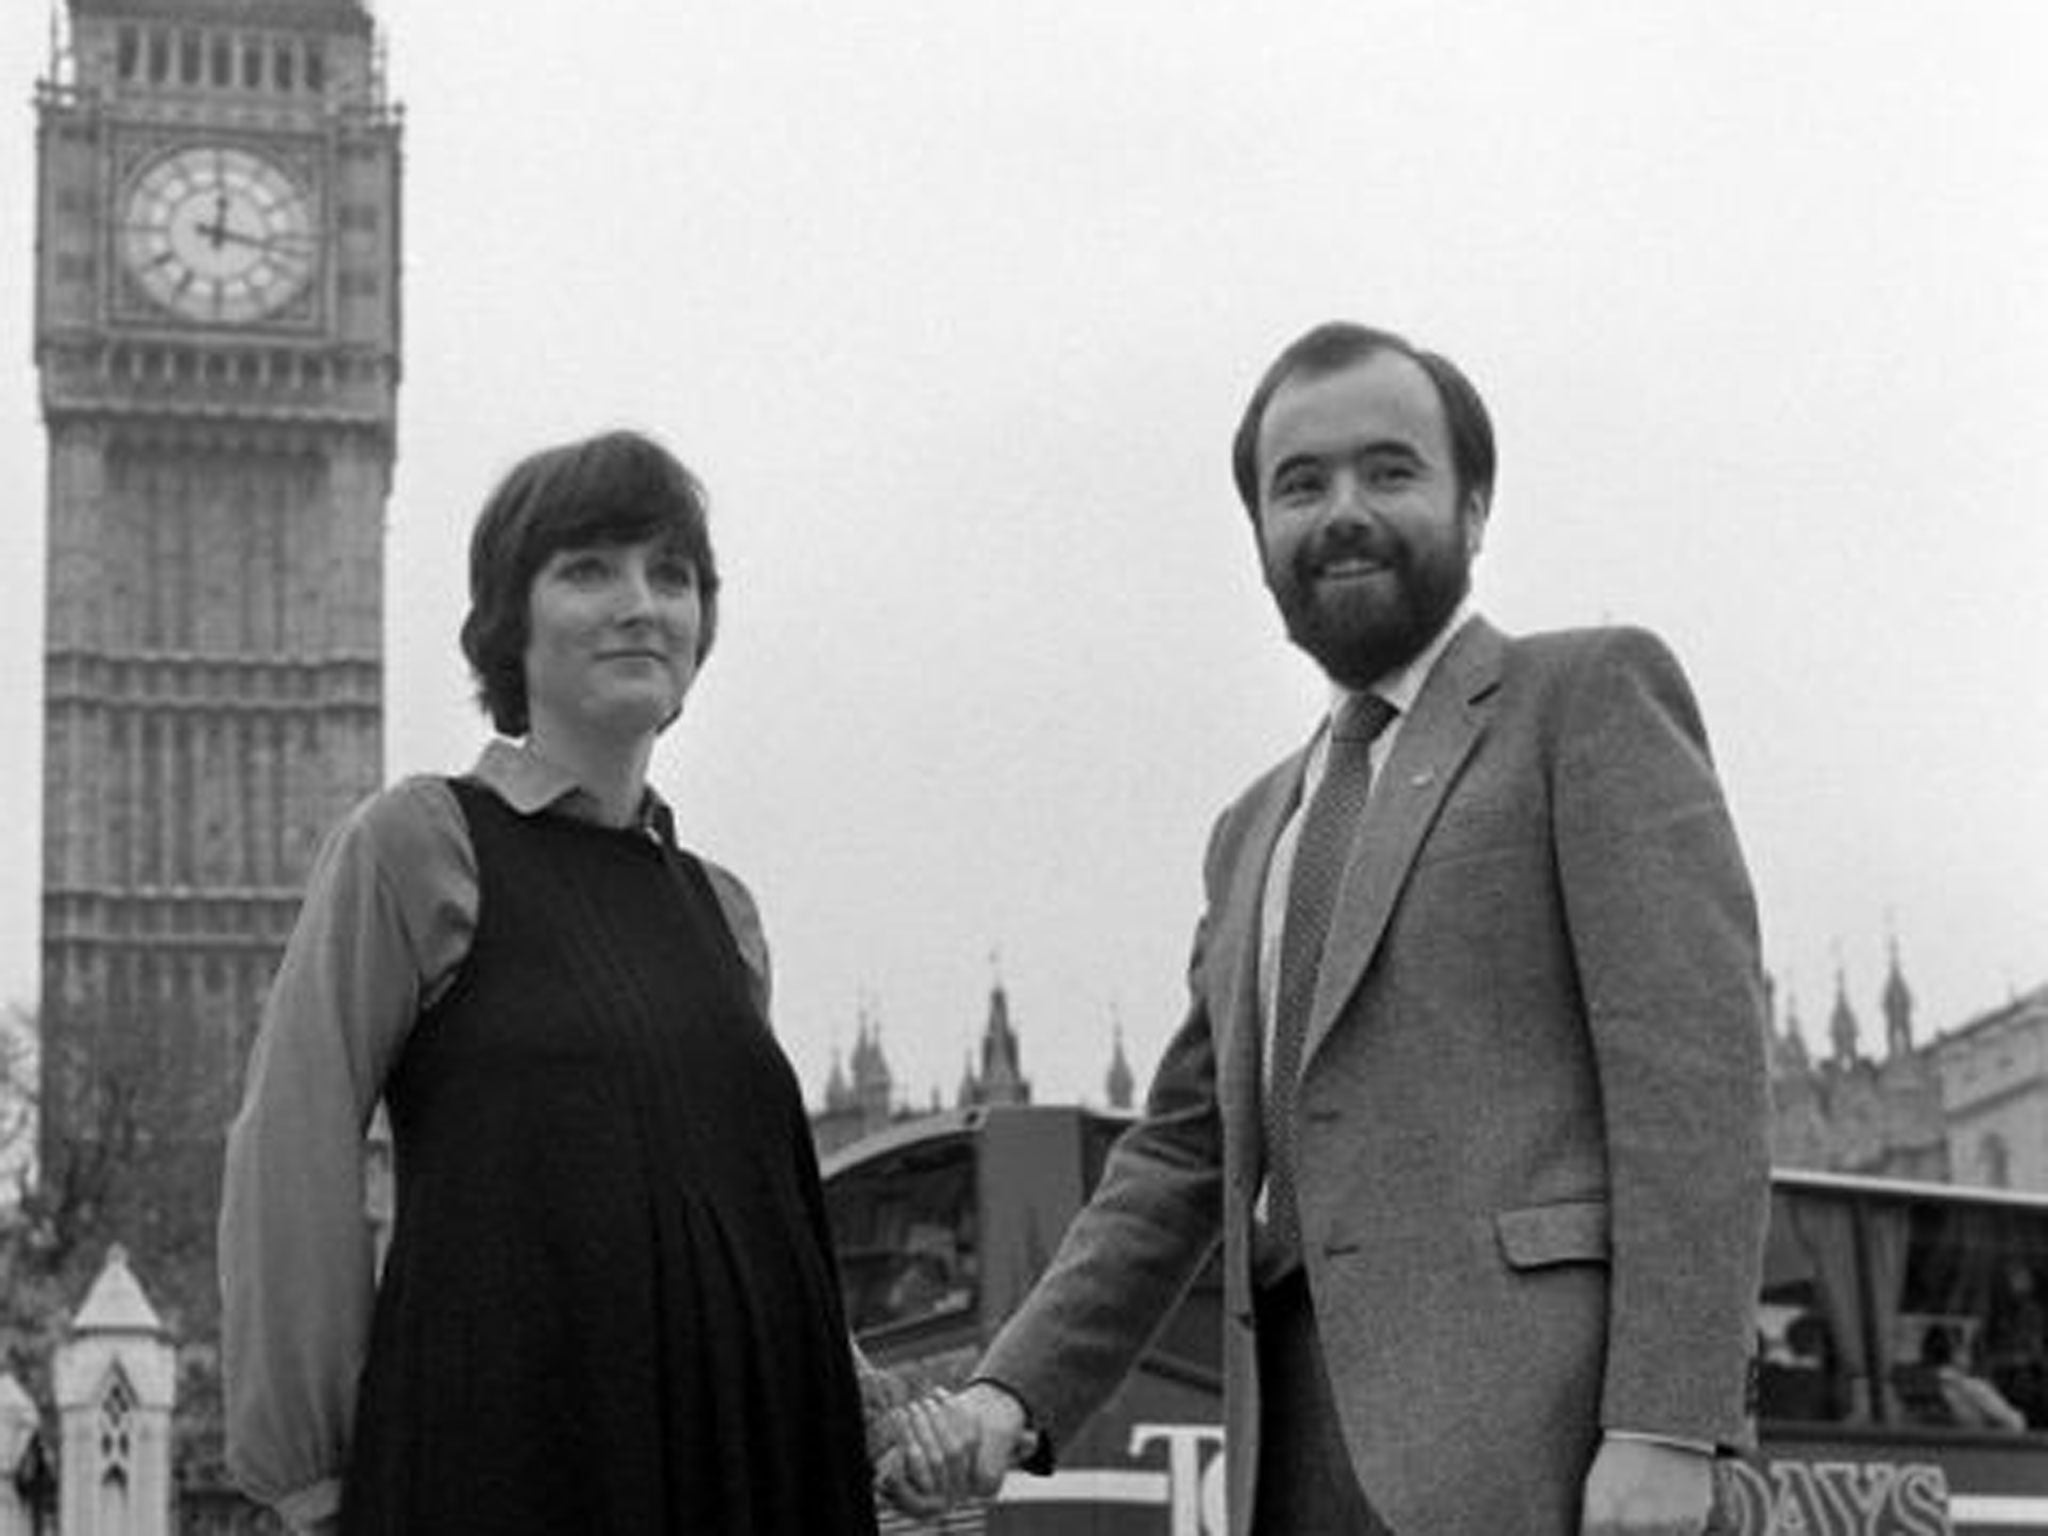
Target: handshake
x,y
937,1448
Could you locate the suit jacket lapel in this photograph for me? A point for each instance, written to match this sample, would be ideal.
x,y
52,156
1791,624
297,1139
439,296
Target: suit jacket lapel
x,y
1447,720
1235,944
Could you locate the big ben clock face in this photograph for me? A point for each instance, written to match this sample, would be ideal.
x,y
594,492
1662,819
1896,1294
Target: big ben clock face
x,y
218,234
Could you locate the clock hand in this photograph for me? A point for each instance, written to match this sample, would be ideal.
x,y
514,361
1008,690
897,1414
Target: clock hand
x,y
292,245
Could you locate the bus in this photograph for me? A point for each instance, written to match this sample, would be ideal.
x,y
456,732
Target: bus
x,y
1902,1339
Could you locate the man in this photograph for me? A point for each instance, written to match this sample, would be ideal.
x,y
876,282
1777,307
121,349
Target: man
x,y
1488,1160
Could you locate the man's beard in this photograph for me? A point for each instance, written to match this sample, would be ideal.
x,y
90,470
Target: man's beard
x,y
1360,636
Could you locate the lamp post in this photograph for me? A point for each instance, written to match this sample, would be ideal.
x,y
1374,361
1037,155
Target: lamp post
x,y
35,1484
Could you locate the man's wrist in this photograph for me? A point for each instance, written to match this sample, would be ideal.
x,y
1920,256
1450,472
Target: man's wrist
x,y
1031,1449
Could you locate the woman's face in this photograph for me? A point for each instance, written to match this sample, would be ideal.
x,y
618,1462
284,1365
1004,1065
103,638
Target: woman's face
x,y
611,642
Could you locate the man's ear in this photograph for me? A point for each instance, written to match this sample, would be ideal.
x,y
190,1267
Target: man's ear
x,y
1473,516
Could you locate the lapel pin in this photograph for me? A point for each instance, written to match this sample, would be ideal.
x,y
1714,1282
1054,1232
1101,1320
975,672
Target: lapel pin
x,y
1423,779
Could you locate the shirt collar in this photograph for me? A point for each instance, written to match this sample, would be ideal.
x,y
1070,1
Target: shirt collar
x,y
530,784
1402,686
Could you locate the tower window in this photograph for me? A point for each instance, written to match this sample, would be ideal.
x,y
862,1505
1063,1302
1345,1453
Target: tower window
x,y
283,70
316,68
128,52
159,56
1994,1160
223,61
252,65
188,57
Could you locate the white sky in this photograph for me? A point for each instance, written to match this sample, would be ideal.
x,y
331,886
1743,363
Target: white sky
x,y
953,304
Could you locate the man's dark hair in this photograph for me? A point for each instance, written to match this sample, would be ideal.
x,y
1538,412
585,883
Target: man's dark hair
x,y
1337,344
616,488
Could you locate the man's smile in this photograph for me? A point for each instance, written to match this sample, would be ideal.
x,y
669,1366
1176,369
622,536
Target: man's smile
x,y
1349,567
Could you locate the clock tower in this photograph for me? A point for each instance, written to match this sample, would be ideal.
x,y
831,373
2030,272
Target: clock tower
x,y
217,333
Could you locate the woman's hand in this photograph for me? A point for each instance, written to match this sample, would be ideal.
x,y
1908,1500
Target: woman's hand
x,y
927,1463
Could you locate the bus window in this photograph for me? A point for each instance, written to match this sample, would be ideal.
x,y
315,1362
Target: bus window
x,y
1962,1325
1809,1316
905,1231
1098,1135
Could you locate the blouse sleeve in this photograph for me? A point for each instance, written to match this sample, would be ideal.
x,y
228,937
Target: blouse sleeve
x,y
388,914
736,902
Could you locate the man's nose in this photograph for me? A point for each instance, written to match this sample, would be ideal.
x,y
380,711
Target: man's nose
x,y
1348,500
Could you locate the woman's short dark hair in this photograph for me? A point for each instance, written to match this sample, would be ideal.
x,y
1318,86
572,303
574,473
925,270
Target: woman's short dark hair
x,y
1337,344
616,488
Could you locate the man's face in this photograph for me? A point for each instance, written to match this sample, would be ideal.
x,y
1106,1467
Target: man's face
x,y
1366,539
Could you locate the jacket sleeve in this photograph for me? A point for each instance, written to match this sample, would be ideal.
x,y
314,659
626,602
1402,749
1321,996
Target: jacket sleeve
x,y
1664,936
391,897
1133,1249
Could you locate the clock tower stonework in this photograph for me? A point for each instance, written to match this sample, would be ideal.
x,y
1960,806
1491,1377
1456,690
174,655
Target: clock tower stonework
x,y
217,333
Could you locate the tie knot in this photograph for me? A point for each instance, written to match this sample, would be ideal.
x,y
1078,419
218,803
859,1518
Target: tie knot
x,y
1361,717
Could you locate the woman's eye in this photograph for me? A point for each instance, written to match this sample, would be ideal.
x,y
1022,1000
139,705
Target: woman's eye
x,y
674,575
583,568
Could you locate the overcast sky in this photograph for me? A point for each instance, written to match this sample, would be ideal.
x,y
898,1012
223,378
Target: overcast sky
x,y
953,305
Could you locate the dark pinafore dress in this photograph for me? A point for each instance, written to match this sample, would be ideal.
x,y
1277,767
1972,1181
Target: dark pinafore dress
x,y
610,1306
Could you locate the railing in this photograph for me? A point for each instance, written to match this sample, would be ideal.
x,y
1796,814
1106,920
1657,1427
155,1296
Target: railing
x,y
215,1509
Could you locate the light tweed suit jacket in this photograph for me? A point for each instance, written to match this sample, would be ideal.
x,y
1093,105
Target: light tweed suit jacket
x,y
1533,1177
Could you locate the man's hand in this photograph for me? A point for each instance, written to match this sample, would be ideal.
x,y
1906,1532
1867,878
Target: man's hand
x,y
1643,1488
928,1464
999,1419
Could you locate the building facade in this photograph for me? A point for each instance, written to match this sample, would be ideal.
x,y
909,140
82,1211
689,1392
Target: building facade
x,y
861,1094
1994,1084
217,335
1846,1112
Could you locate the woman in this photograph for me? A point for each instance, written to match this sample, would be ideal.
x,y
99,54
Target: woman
x,y
609,1303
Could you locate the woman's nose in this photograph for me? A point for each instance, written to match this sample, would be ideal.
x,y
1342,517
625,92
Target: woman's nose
x,y
636,589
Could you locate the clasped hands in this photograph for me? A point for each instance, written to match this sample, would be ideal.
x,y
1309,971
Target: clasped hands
x,y
940,1448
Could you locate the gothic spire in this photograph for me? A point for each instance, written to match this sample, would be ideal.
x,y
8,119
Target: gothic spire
x,y
1120,1081
1898,1008
1842,1022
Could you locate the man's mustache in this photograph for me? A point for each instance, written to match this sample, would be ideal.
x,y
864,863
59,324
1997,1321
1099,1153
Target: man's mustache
x,y
1350,541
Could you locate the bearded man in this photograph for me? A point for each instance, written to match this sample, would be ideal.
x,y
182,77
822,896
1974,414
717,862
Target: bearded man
x,y
1471,1085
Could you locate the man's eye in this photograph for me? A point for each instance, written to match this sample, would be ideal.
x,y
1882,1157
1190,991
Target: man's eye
x,y
1295,487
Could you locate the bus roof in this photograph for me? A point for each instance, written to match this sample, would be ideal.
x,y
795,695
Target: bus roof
x,y
1913,1189
946,1122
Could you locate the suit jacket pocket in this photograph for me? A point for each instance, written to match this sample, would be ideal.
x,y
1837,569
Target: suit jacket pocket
x,y
1564,1232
